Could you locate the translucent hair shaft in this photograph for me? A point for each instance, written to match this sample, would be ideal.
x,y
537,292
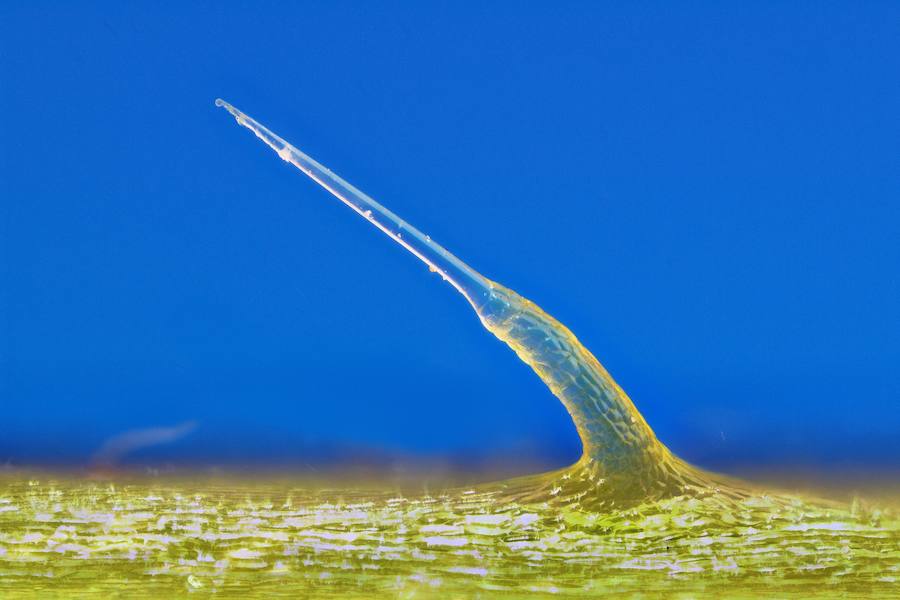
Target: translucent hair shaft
x,y
471,284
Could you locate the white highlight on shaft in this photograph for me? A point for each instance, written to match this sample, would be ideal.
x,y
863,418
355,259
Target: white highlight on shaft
x,y
466,280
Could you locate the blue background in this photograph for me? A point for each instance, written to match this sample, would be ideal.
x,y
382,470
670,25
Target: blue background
x,y
706,195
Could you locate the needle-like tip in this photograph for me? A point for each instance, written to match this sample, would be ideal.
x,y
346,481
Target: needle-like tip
x,y
234,112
